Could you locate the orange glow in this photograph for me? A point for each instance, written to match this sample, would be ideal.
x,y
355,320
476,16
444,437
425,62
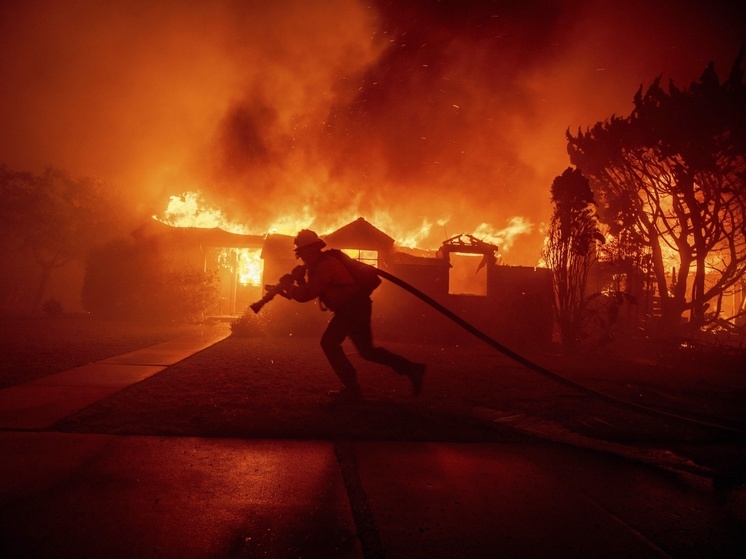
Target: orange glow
x,y
244,262
190,210
250,266
367,256
504,238
464,277
312,114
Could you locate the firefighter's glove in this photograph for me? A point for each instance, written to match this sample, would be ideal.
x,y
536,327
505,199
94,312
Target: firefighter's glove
x,y
299,274
286,282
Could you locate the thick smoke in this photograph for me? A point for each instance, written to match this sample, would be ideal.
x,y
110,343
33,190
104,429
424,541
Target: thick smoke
x,y
430,116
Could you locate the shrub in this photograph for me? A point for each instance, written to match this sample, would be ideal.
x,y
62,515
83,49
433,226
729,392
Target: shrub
x,y
137,280
250,324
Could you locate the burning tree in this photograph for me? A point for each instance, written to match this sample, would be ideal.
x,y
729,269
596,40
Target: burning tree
x,y
570,250
671,176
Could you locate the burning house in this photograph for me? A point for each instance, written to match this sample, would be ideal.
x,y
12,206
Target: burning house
x,y
512,304
232,257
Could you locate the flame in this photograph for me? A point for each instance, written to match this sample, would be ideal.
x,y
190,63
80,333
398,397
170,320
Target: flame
x,y
244,262
250,267
408,238
190,210
505,237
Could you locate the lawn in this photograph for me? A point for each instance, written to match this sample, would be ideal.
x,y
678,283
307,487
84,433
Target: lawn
x,y
275,386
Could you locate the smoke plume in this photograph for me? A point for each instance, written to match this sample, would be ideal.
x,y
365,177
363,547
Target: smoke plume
x,y
428,118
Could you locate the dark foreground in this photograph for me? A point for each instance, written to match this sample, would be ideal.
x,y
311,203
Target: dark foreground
x,y
70,495
234,452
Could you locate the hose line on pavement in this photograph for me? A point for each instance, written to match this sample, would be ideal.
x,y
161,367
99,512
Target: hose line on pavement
x,y
538,368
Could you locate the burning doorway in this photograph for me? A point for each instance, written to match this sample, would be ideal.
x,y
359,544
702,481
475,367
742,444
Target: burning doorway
x,y
240,272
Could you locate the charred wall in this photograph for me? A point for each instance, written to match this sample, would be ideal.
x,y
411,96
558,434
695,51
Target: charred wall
x,y
517,310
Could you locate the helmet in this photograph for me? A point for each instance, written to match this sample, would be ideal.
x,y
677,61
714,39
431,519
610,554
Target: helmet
x,y
307,238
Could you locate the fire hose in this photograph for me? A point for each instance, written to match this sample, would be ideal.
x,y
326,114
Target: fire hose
x,y
273,290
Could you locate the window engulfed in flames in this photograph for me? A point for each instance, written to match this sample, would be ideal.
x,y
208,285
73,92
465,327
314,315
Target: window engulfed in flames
x,y
244,262
250,266
188,210
367,256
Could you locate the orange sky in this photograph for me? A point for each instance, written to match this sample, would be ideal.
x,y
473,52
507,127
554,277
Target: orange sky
x,y
438,118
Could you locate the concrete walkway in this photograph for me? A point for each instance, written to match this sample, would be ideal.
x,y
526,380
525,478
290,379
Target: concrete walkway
x,y
71,495
42,402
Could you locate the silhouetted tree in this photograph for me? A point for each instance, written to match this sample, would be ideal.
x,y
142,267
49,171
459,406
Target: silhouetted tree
x,y
671,176
52,219
570,250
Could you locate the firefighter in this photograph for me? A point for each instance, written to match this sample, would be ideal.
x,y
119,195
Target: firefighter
x,y
327,278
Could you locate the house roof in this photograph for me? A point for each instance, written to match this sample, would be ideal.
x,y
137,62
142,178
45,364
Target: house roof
x,y
468,244
208,237
360,234
278,247
217,237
